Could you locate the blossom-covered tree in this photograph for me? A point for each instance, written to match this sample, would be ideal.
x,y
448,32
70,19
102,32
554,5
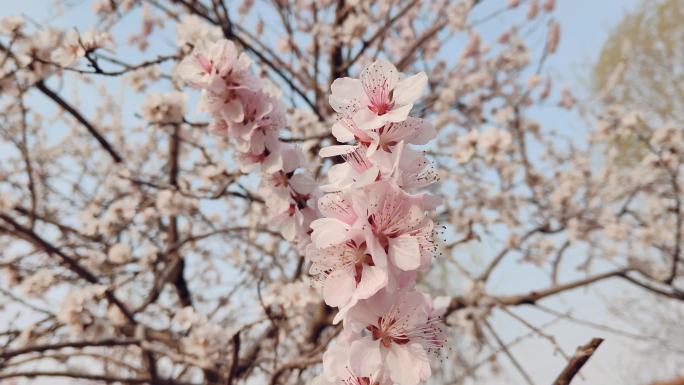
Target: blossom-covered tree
x,y
310,220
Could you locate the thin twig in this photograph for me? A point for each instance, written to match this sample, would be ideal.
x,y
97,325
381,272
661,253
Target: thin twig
x,y
582,355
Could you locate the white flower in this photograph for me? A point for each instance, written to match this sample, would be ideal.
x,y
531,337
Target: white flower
x,y
164,108
11,24
73,310
296,295
378,97
493,143
38,283
74,47
137,79
192,29
173,203
466,146
119,253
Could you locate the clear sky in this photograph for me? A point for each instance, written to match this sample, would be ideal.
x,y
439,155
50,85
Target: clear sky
x,y
585,25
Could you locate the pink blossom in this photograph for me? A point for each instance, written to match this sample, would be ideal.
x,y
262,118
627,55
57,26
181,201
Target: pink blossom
x,y
263,150
258,111
413,170
338,217
407,167
378,97
348,271
240,107
356,171
386,137
217,66
239,112
289,196
392,223
400,330
337,370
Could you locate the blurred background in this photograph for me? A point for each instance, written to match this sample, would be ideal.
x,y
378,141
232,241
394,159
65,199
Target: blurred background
x,y
644,334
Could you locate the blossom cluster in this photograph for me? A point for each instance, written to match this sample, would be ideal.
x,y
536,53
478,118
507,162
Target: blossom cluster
x,y
243,109
370,235
375,235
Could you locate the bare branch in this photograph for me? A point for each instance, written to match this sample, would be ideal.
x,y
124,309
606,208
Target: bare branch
x,y
582,355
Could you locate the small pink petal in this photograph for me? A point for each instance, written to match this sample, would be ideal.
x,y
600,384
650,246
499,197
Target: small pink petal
x,y
404,251
338,288
328,232
410,89
329,151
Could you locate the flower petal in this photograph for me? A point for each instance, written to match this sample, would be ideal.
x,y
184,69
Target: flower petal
x,y
345,92
337,206
380,73
404,251
336,150
336,361
328,232
272,163
407,364
302,183
365,357
376,250
341,133
410,89
338,288
425,133
373,279
367,177
366,119
398,114
233,111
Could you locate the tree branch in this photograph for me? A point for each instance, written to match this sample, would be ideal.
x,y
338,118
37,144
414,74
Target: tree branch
x,y
69,344
582,355
40,85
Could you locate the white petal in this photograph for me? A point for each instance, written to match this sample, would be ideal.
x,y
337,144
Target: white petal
x,y
406,364
404,251
425,133
337,206
410,89
378,73
272,163
345,91
302,183
373,279
431,201
338,288
398,114
340,177
336,362
233,111
365,357
376,250
336,150
359,314
367,177
341,133
366,119
328,232
288,229
343,312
